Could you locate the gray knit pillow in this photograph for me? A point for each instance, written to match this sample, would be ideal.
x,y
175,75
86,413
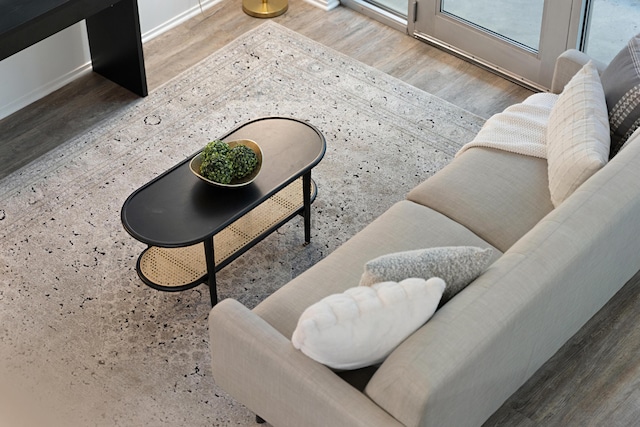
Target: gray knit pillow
x,y
621,84
456,265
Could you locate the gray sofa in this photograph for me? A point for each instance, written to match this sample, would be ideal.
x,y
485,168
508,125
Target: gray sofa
x,y
553,269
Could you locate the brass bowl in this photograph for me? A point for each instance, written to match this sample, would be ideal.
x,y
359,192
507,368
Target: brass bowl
x,y
196,162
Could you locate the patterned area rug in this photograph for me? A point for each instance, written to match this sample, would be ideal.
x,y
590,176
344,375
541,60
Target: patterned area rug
x,y
83,341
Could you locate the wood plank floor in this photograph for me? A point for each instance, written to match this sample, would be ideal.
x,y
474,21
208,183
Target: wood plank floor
x,y
593,380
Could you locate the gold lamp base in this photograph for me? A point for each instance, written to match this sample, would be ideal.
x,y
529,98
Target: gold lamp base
x,y
265,8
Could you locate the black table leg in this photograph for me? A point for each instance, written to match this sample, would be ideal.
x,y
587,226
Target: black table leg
x,y
306,197
211,270
116,45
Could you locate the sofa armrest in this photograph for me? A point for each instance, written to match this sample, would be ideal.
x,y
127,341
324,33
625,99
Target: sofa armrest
x,y
567,65
258,366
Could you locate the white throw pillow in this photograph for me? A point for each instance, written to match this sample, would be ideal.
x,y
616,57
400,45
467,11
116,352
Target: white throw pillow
x,y
363,325
456,265
578,137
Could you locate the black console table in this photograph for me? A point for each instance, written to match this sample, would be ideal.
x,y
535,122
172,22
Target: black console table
x,y
113,27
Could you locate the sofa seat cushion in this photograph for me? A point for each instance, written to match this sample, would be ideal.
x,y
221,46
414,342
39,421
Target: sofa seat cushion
x,y
465,191
404,226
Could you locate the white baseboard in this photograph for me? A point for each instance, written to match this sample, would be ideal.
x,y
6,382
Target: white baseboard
x,y
177,20
324,4
44,90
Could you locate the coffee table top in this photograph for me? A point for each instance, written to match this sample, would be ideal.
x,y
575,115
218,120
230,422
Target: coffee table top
x,y
177,209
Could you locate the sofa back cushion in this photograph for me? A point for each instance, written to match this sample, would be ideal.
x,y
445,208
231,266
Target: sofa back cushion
x,y
496,194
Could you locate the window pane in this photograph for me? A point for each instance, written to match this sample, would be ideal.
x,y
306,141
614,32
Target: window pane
x,y
611,24
516,20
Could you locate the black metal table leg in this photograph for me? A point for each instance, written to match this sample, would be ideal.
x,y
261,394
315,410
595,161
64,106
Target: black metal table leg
x,y
306,197
116,45
211,270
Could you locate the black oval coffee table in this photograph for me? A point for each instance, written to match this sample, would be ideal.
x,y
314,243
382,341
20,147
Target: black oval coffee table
x,y
194,229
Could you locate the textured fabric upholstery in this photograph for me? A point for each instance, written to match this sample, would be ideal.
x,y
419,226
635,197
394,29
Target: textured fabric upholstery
x,y
478,349
252,355
259,367
405,226
465,191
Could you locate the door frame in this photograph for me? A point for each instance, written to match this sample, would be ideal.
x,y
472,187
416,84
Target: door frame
x,y
561,22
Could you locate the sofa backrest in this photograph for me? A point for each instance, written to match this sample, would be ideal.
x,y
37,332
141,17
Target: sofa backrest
x,y
484,344
497,195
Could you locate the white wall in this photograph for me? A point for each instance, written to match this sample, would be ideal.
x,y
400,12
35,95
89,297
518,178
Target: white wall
x,y
47,66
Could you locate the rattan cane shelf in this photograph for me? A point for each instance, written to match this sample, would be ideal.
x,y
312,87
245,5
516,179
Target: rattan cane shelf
x,y
180,267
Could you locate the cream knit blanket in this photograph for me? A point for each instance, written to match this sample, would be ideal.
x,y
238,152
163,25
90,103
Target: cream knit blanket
x,y
520,128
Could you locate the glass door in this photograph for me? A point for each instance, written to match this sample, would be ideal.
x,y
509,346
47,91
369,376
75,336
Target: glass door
x,y
519,38
608,26
494,17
